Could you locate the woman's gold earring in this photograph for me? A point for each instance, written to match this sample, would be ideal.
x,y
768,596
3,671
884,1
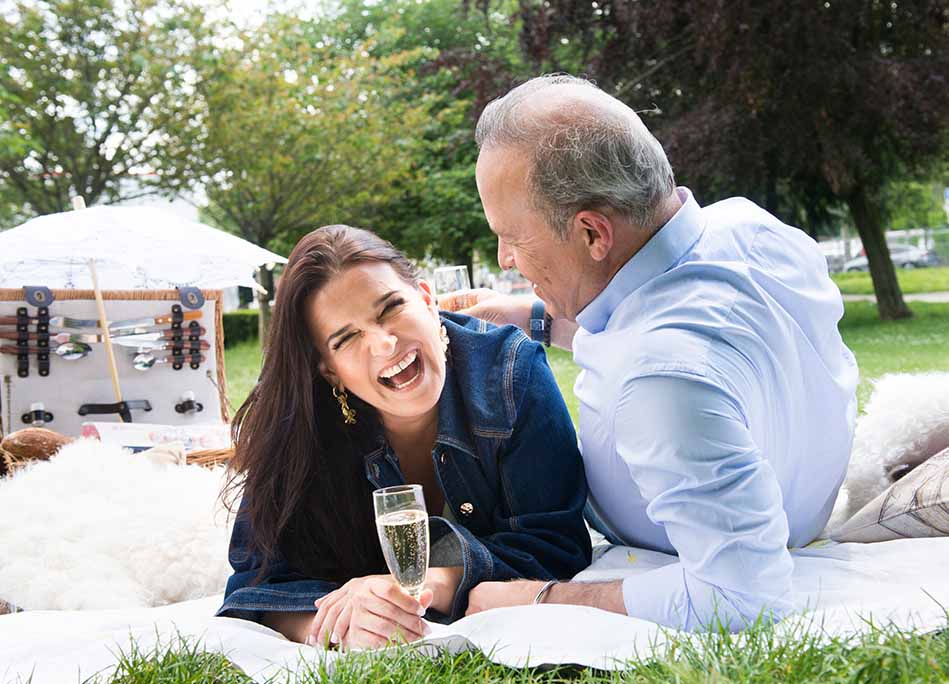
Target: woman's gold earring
x,y
349,415
443,335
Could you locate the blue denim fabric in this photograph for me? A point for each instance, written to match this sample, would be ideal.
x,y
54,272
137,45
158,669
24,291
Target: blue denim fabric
x,y
507,461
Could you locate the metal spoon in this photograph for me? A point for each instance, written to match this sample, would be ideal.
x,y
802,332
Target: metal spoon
x,y
68,351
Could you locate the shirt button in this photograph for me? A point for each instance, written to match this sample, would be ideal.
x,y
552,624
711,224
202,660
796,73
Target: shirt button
x,y
467,508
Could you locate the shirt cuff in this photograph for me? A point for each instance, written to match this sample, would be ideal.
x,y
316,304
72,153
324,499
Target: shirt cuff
x,y
659,596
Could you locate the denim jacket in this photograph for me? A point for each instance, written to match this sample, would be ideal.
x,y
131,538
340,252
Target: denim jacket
x,y
507,460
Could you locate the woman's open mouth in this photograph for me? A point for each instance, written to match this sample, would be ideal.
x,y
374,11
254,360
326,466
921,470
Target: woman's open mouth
x,y
403,374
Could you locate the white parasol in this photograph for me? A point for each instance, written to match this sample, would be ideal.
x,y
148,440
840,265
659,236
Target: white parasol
x,y
133,247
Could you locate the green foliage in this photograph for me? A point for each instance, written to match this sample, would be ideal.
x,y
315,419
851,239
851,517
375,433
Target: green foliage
x,y
294,133
911,204
239,326
459,60
85,88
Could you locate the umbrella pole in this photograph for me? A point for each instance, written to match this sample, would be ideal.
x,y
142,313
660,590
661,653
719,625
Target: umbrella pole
x,y
104,327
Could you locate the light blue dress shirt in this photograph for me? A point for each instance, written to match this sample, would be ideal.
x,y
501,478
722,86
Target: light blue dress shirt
x,y
717,405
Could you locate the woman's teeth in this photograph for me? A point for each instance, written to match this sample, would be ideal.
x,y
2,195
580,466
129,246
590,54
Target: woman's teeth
x,y
388,375
400,366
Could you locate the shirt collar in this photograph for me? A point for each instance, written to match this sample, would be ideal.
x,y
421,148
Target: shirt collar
x,y
657,256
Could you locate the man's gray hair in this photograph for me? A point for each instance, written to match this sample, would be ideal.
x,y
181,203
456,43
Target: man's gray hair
x,y
587,150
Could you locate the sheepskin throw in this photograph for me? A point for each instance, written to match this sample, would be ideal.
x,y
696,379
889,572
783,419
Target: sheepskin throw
x,y
98,527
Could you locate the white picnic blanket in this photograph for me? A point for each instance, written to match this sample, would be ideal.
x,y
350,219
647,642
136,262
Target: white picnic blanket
x,y
837,587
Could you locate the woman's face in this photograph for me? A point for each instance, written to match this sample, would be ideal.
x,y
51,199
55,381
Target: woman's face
x,y
378,337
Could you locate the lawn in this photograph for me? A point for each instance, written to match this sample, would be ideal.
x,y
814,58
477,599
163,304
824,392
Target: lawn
x,y
756,656
912,281
908,346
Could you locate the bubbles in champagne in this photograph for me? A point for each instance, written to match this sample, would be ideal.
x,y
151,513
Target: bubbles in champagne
x,y
404,539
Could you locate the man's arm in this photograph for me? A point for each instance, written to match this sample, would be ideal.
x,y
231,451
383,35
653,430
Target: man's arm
x,y
692,456
501,309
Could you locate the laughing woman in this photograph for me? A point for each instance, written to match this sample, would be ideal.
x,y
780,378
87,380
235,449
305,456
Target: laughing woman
x,y
365,385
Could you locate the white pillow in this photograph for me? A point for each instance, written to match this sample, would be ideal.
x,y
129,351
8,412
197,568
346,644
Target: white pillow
x,y
915,506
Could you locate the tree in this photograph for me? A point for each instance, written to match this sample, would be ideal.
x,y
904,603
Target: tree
x,y
86,86
819,102
460,61
290,136
912,204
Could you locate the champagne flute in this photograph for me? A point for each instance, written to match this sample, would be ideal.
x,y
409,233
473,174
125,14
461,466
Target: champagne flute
x,y
402,524
449,280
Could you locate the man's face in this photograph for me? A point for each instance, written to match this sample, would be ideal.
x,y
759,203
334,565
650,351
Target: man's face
x,y
525,241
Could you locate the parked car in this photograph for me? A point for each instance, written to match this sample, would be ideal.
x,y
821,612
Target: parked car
x,y
904,256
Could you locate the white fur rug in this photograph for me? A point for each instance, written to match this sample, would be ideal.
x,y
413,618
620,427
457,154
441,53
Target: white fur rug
x,y
97,527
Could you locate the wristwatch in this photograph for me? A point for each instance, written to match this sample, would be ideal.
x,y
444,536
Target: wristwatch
x,y
540,323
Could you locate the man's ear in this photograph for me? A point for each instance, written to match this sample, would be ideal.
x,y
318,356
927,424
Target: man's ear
x,y
597,232
428,296
328,374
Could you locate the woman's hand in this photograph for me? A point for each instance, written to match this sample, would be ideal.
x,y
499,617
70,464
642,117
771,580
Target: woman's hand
x,y
368,612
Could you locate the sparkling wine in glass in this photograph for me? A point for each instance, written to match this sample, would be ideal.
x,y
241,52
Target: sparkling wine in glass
x,y
402,524
450,279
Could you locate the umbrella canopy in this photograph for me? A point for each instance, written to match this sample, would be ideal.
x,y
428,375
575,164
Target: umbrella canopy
x,y
133,248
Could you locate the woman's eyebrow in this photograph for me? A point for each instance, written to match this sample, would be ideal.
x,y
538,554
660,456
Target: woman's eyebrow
x,y
339,332
384,297
346,327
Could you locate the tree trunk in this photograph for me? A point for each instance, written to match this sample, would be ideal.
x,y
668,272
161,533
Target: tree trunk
x,y
866,216
266,279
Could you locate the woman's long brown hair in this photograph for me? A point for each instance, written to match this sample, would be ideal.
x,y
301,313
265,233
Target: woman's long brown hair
x,y
305,492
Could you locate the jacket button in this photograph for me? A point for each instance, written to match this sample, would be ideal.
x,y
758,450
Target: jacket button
x,y
467,508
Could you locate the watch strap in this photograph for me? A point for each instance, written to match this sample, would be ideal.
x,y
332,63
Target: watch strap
x,y
540,323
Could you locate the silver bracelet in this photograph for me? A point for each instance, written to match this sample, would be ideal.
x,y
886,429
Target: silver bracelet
x,y
543,591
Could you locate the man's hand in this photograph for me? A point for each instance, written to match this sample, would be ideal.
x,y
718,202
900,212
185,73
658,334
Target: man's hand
x,y
490,306
489,595
602,595
368,612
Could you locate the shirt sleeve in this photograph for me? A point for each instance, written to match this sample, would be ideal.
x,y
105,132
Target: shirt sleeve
x,y
690,452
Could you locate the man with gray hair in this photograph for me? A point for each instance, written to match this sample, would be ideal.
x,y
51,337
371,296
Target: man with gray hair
x,y
717,399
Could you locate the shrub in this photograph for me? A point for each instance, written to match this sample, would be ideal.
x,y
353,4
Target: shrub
x,y
239,325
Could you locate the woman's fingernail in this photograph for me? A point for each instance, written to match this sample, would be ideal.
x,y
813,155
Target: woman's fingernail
x,y
334,638
421,610
310,640
426,630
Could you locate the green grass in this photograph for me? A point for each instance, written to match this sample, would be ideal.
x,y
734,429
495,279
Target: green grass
x,y
759,655
242,362
911,281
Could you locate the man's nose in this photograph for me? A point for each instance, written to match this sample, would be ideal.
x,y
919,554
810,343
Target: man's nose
x,y
382,342
505,256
